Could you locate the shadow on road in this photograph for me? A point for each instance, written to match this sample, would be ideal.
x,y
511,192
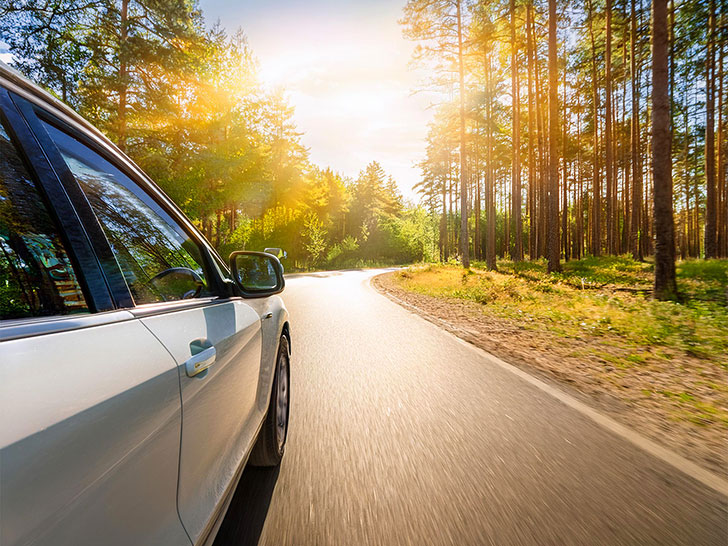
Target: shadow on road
x,y
249,508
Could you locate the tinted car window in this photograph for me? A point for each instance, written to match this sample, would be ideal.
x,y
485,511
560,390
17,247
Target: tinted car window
x,y
158,259
36,276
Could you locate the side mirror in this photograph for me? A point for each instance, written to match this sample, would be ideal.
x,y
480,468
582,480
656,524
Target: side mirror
x,y
257,274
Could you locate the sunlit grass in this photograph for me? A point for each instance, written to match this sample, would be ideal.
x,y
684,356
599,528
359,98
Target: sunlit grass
x,y
673,354
604,297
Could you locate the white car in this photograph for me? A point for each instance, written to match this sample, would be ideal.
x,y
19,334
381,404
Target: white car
x,y
140,372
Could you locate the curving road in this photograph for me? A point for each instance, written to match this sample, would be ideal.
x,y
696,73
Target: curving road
x,y
402,434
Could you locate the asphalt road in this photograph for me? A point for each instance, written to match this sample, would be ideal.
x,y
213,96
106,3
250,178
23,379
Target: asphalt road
x,y
401,434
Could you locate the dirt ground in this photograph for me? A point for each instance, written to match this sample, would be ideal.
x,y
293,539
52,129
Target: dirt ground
x,y
645,397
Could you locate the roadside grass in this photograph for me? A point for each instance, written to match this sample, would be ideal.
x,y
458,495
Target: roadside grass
x,y
608,302
607,297
661,365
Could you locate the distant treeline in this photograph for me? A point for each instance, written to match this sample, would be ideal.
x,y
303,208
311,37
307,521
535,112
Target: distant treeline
x,y
186,104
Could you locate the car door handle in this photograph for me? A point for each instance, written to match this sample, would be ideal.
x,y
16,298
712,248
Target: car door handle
x,y
200,362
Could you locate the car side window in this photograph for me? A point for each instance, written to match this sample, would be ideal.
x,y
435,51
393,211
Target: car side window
x,y
36,275
157,257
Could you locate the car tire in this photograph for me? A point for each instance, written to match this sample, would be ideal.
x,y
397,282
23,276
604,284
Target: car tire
x,y
271,443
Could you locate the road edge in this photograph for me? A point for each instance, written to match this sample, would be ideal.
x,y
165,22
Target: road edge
x,y
687,467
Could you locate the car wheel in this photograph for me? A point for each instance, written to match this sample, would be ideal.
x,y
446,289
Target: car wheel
x,y
271,443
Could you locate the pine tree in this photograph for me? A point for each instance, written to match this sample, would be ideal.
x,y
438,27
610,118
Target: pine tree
x,y
665,284
554,264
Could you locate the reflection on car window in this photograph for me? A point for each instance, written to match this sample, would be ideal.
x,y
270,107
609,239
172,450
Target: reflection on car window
x,y
158,259
36,277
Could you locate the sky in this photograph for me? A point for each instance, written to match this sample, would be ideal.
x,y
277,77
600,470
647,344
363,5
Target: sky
x,y
345,67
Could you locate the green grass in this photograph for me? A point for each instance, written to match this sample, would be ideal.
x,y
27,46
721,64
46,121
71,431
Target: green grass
x,y
607,297
607,303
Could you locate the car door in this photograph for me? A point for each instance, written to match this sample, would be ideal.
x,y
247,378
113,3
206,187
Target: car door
x,y
90,434
214,340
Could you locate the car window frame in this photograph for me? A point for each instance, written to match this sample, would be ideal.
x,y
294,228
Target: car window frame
x,y
74,238
117,287
217,285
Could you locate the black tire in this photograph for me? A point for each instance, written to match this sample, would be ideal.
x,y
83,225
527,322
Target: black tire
x,y
271,444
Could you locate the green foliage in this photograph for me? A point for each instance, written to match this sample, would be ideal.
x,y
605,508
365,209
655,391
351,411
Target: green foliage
x,y
343,254
314,241
608,297
186,105
49,42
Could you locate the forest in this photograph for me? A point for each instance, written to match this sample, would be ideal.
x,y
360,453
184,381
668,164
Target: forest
x,y
573,129
564,129
186,103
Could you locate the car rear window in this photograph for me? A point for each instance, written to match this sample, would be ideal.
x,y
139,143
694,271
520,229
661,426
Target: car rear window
x,y
36,275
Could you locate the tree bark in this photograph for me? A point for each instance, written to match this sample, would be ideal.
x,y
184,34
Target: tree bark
x,y
490,258
464,240
635,223
624,151
517,247
609,156
579,201
554,264
564,177
123,72
665,284
722,182
443,223
477,239
541,137
596,183
711,210
532,209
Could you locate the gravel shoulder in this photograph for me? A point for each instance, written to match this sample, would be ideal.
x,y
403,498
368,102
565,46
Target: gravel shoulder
x,y
626,395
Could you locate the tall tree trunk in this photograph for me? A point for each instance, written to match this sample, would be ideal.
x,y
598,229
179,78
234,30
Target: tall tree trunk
x,y
696,208
711,210
123,68
686,178
596,184
609,156
506,218
634,237
218,227
532,231
579,202
443,223
554,264
565,185
541,134
665,285
477,239
626,206
490,258
517,247
646,234
464,240
722,182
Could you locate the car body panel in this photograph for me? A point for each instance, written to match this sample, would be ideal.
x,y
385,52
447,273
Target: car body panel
x,y
219,413
89,447
106,440
272,327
